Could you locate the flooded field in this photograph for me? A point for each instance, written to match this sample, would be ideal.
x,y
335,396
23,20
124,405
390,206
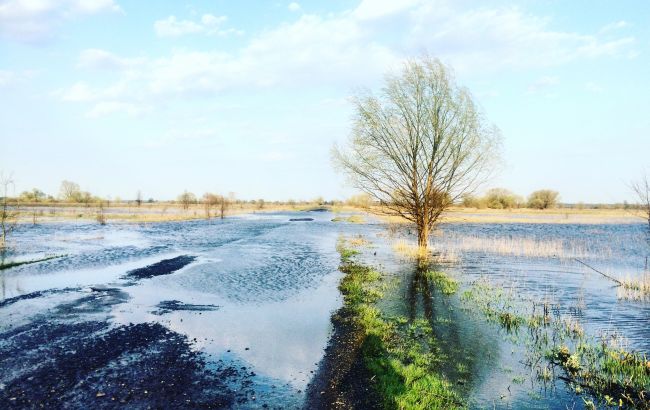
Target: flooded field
x,y
253,295
236,313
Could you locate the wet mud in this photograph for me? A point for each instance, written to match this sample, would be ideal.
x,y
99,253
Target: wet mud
x,y
164,267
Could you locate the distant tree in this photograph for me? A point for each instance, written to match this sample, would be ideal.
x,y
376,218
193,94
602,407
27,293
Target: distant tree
x,y
209,201
472,201
360,201
35,195
543,199
101,214
260,203
86,198
500,198
8,214
420,145
224,204
642,190
70,191
138,198
186,199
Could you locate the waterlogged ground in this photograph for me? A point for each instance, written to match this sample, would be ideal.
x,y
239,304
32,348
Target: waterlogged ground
x,y
528,264
225,313
236,313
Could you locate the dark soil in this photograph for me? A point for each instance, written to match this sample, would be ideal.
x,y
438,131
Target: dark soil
x,y
88,365
34,295
167,306
342,380
164,267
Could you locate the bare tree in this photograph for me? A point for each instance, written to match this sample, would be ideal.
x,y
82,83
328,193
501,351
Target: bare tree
x,y
138,198
8,214
209,201
101,214
642,190
224,204
186,199
420,145
70,191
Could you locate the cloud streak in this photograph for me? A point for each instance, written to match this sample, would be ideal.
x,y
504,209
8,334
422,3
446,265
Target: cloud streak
x,y
341,50
29,21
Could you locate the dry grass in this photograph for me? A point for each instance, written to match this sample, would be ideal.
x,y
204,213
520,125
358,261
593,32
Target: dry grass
x,y
412,251
637,288
158,212
510,246
555,216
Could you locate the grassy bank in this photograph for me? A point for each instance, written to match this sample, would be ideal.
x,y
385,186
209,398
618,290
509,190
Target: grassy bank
x,y
400,354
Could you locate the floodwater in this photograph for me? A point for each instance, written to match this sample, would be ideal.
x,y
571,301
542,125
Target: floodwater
x,y
242,308
253,294
533,263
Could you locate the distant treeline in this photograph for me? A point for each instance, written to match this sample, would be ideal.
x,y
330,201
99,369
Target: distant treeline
x,y
496,198
500,198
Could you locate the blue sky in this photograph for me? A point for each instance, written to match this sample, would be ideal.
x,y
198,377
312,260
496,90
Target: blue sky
x,y
250,96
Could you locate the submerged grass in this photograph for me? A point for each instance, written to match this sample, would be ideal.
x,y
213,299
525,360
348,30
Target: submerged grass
x,y
423,255
8,265
635,288
602,367
356,219
398,352
444,282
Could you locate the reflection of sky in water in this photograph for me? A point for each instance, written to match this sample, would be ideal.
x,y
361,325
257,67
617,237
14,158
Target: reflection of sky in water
x,y
275,285
274,282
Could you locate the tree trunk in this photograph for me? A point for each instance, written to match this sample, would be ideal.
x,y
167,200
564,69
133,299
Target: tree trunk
x,y
423,235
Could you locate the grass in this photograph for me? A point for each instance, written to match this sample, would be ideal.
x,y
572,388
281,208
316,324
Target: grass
x,y
517,246
444,282
635,288
424,255
523,215
356,219
146,213
614,375
8,265
398,352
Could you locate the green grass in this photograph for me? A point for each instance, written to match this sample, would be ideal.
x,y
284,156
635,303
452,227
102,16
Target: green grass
x,y
8,265
398,352
612,374
444,282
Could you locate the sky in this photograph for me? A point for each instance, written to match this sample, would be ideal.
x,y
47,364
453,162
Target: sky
x,y
250,96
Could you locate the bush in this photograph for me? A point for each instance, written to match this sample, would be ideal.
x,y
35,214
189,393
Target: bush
x,y
543,199
499,198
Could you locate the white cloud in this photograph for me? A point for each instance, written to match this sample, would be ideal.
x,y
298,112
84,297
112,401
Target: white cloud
x,y
616,25
502,38
294,7
7,78
543,84
350,49
208,24
593,87
10,78
102,59
36,20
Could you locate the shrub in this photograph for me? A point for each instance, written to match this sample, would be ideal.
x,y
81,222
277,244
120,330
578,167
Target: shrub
x,y
499,198
543,199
